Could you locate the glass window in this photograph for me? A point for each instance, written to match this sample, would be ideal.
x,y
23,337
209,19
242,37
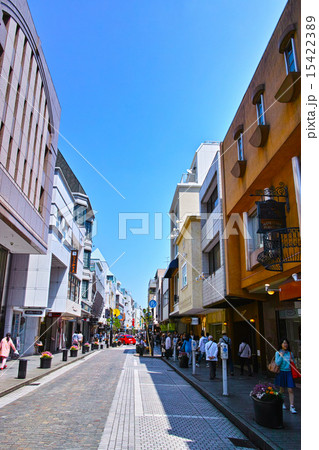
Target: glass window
x,y
86,259
88,228
240,148
212,201
256,238
166,298
260,111
290,57
85,288
79,214
184,275
214,259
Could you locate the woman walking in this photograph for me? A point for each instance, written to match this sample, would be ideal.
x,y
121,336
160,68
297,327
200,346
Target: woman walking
x,y
5,345
284,378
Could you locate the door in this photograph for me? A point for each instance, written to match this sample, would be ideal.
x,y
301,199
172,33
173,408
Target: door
x,y
245,332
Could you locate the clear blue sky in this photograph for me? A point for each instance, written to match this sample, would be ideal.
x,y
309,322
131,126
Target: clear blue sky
x,y
141,84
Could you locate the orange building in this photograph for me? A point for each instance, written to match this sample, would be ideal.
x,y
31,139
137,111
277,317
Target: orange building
x,y
261,199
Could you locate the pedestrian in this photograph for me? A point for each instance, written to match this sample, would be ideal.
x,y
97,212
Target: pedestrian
x,y
211,350
227,341
201,347
244,352
75,339
142,346
152,343
168,346
284,378
187,348
5,346
80,339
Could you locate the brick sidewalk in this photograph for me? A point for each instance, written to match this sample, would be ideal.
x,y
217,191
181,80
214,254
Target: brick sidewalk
x,y
239,408
8,377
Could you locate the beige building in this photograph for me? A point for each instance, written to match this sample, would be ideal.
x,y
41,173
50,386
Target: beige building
x,y
29,124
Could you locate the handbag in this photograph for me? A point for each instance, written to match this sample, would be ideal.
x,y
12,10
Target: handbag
x,y
272,366
294,371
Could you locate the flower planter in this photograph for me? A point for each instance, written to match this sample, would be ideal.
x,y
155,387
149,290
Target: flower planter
x,y
183,361
268,413
45,363
73,353
86,348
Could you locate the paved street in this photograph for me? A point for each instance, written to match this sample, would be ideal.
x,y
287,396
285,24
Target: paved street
x,y
114,400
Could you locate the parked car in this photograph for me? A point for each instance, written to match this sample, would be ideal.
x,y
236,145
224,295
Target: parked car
x,y
127,339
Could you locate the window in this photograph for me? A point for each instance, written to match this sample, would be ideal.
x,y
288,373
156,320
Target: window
x,y
85,288
79,214
184,275
256,238
290,56
260,110
214,259
88,228
240,148
165,298
86,259
212,201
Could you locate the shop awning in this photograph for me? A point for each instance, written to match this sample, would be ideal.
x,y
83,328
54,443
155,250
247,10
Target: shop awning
x,y
172,266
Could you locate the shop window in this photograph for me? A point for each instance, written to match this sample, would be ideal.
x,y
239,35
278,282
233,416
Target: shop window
x,y
214,259
256,238
86,259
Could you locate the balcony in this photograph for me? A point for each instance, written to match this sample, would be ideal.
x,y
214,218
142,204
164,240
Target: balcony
x,y
188,178
282,246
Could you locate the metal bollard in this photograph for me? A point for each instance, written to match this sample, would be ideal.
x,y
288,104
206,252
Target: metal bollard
x,y
92,346
101,347
22,372
65,354
83,350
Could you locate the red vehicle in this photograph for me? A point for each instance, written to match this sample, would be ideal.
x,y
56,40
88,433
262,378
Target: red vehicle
x,y
127,339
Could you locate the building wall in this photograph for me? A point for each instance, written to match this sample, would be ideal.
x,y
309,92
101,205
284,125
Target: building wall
x,y
29,116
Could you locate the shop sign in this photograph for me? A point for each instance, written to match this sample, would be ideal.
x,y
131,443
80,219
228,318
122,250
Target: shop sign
x,y
195,321
290,314
74,261
271,216
34,312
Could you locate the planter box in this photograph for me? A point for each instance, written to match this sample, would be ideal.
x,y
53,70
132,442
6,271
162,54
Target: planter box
x,y
45,363
87,349
73,353
268,414
183,361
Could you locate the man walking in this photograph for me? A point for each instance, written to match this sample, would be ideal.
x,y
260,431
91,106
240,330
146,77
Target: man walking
x,y
244,352
225,339
168,346
211,350
201,347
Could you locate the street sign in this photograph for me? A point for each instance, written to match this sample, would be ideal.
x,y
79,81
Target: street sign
x,y
152,304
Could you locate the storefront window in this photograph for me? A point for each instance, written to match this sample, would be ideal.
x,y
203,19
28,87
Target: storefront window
x,y
290,328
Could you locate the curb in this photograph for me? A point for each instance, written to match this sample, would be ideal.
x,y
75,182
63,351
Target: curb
x,y
249,430
38,377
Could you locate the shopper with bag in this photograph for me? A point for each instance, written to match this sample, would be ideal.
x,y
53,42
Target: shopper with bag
x,y
5,345
285,360
244,353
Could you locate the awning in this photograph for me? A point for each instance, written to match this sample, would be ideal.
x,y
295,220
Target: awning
x,y
172,266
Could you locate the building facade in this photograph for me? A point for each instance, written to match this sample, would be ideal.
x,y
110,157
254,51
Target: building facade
x,y
261,198
29,125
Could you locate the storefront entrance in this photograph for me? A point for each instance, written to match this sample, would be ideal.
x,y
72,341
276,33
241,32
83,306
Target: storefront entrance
x,y
289,326
245,332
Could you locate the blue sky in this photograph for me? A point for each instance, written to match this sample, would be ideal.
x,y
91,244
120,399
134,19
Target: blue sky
x,y
141,84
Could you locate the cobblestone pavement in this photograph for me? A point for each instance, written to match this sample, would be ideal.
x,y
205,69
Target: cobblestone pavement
x,y
114,400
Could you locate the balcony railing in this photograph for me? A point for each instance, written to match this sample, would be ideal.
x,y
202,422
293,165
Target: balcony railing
x,y
189,178
281,247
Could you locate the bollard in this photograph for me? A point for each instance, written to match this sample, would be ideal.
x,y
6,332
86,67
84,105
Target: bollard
x,y
92,346
101,347
22,372
83,349
65,354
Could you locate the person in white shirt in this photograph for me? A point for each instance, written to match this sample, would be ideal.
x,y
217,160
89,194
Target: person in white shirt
x,y
244,352
80,339
201,347
211,350
168,346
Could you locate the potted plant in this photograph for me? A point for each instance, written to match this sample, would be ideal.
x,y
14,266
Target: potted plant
x,y
267,405
74,351
45,360
183,360
87,347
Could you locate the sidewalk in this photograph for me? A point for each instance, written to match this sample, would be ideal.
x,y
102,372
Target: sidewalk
x,y
8,377
238,406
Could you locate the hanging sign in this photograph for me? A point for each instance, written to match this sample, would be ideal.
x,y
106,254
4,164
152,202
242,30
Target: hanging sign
x,y
271,216
74,261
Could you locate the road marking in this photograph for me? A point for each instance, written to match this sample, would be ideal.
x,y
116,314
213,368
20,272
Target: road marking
x,y
137,395
28,389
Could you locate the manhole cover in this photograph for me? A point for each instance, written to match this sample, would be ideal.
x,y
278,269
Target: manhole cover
x,y
241,443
